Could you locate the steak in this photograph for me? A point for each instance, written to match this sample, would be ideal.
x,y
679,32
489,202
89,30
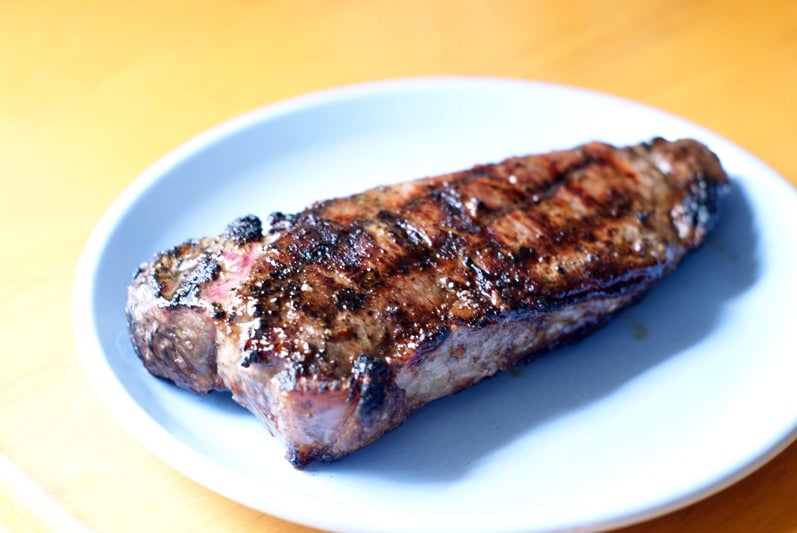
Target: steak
x,y
334,324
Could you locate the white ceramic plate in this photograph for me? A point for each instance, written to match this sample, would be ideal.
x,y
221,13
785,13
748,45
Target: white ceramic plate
x,y
678,397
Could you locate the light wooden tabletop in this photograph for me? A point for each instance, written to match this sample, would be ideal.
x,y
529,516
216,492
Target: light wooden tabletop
x,y
93,92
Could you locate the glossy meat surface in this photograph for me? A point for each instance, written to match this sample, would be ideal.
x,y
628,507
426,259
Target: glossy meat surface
x,y
334,324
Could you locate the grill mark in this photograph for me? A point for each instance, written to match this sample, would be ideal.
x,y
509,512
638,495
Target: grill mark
x,y
525,192
417,245
447,215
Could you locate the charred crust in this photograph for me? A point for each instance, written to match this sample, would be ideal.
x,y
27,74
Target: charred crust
x,y
281,271
278,221
457,217
164,277
349,299
410,232
481,274
314,240
320,252
206,271
173,278
525,252
371,378
218,311
245,229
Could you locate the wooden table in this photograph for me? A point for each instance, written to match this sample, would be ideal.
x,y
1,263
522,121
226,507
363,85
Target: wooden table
x,y
93,92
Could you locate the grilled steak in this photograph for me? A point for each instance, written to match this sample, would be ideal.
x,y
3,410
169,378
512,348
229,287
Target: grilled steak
x,y
334,324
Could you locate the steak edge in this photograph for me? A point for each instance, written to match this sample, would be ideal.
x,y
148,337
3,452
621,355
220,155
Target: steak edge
x,y
334,324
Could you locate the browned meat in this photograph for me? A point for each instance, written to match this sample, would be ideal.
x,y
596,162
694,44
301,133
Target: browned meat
x,y
341,320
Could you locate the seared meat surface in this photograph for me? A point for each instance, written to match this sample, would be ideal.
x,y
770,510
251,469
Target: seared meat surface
x,y
334,324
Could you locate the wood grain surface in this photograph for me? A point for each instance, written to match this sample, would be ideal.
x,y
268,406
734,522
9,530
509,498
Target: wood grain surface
x,y
92,92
